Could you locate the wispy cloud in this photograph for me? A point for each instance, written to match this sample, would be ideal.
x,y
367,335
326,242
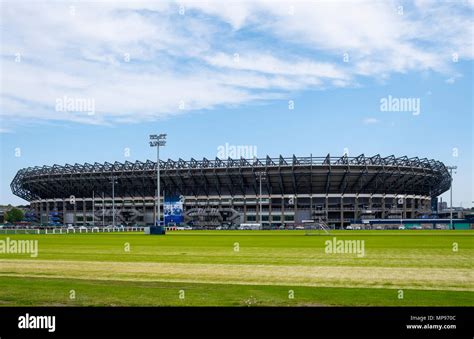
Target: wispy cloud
x,y
370,121
148,60
4,130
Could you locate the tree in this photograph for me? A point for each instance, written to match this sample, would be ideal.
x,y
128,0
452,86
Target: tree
x,y
14,215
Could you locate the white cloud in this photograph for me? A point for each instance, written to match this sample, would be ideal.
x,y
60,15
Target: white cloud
x,y
271,65
376,37
451,80
190,58
4,130
370,121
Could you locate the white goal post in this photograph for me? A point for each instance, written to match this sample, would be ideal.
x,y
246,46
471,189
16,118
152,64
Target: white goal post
x,y
312,227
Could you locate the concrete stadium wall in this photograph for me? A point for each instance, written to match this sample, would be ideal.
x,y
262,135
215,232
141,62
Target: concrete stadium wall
x,y
338,210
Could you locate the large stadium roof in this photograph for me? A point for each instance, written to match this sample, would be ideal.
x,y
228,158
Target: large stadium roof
x,y
284,175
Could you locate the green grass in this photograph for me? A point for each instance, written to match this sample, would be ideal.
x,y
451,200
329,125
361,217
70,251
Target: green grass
x,y
266,266
46,292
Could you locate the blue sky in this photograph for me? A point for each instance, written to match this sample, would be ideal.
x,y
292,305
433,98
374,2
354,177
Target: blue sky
x,y
208,74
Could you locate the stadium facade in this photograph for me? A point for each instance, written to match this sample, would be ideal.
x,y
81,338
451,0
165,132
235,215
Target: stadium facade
x,y
336,190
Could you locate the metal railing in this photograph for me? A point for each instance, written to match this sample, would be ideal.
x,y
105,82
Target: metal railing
x,y
67,230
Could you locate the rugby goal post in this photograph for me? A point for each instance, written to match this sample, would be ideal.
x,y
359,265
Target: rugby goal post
x,y
312,227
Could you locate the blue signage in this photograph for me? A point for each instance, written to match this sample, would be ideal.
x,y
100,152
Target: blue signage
x,y
173,210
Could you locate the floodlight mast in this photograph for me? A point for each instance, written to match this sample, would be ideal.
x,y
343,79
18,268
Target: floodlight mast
x,y
157,140
451,168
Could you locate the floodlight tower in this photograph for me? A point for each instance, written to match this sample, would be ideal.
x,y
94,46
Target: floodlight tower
x,y
451,168
157,140
260,178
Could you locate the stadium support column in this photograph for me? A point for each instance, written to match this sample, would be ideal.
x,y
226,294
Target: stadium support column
x,y
245,209
103,209
75,213
35,207
93,209
257,209
55,207
326,208
270,218
260,214
404,211
84,212
295,213
47,212
113,201
282,210
157,141
356,207
64,211
383,206
342,212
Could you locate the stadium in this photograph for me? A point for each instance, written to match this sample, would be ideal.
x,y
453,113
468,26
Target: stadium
x,y
242,267
276,192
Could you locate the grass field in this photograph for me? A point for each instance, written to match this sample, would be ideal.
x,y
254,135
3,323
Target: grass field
x,y
238,268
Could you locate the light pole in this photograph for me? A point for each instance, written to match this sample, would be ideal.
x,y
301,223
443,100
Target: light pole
x,y
157,140
451,168
260,196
